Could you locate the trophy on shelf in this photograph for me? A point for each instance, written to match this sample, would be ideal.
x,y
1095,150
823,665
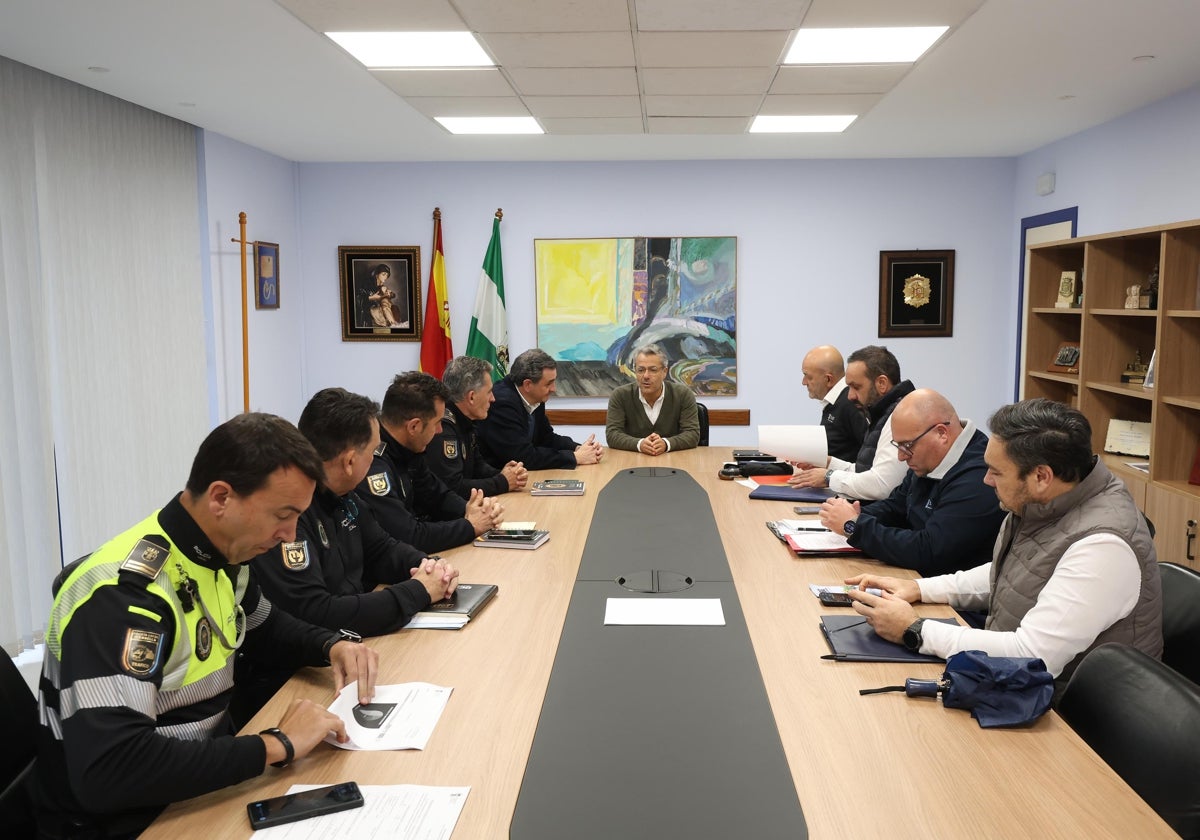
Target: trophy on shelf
x,y
1066,360
1133,296
1135,371
1148,294
1068,291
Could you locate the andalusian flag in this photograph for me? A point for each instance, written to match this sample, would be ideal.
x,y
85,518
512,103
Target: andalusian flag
x,y
436,348
488,339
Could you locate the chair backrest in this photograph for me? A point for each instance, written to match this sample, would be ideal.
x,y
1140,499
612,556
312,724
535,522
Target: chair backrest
x,y
702,414
1143,719
1181,619
61,577
20,711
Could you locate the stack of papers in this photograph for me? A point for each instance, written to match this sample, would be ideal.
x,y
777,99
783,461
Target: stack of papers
x,y
412,811
497,538
438,621
401,717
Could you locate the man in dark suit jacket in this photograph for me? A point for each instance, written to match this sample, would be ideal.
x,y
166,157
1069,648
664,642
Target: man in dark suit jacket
x,y
651,415
824,375
516,428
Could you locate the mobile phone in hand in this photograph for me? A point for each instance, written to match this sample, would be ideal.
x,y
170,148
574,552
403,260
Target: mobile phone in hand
x,y
835,599
300,806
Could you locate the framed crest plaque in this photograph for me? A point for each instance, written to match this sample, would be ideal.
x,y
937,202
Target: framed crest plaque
x,y
916,293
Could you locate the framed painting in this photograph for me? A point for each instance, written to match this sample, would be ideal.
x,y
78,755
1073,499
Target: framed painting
x,y
916,293
266,275
380,292
599,300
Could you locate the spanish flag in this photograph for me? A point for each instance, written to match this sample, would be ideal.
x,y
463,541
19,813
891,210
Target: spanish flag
x,y
436,349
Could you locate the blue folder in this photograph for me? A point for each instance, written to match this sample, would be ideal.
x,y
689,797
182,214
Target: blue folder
x,y
784,493
853,640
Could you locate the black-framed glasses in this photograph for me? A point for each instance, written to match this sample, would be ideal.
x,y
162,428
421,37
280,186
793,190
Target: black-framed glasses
x,y
906,446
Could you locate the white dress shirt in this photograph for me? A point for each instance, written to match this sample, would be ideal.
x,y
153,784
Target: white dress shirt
x,y
885,475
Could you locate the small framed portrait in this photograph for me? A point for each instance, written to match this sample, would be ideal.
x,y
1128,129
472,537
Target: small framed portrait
x,y
916,293
266,275
380,292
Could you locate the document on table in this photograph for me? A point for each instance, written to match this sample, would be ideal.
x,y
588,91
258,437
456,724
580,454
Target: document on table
x,y
665,611
802,444
401,717
412,812
817,589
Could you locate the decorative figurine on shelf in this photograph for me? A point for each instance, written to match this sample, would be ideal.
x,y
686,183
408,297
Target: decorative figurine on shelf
x,y
1135,371
1148,299
1132,294
1066,291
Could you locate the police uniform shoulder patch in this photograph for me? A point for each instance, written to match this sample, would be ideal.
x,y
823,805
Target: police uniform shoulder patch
x,y
295,555
141,652
380,483
450,448
147,557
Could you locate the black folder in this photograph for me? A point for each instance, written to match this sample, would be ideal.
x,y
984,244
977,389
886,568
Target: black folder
x,y
853,640
468,598
785,493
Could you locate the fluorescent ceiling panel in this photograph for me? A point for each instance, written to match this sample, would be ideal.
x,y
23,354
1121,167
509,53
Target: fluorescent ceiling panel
x,y
413,49
490,125
862,46
809,123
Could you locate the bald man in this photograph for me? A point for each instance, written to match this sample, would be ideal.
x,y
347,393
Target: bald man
x,y
824,375
942,518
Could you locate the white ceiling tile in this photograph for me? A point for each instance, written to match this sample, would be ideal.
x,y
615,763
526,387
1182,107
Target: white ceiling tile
x,y
665,81
545,15
611,125
584,106
575,81
817,104
698,125
473,81
715,15
468,106
711,49
861,78
374,16
702,106
839,13
561,49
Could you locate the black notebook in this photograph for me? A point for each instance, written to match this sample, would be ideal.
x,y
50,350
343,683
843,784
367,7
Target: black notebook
x,y
468,599
853,640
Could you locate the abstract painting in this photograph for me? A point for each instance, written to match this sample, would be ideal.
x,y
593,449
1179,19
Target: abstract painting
x,y
598,300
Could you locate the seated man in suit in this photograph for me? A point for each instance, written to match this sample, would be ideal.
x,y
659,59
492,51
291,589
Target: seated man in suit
x,y
652,415
1073,566
823,373
453,453
516,427
942,517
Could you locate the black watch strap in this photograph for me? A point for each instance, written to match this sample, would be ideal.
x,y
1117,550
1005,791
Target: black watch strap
x,y
287,746
912,636
339,636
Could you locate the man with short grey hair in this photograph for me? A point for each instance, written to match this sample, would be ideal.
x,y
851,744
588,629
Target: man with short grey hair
x,y
651,415
453,454
516,427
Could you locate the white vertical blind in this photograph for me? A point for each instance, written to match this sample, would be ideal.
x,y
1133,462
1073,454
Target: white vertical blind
x,y
103,347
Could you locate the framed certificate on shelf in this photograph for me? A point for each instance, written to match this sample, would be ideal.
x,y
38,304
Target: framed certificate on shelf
x,y
1066,360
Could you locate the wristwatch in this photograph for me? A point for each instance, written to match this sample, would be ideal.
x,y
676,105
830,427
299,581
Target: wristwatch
x,y
848,527
287,746
828,475
912,636
339,636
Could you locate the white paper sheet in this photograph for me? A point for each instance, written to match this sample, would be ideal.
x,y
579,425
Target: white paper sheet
x,y
401,717
802,444
664,611
410,812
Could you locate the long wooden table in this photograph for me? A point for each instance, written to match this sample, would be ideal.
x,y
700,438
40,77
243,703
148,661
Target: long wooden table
x,y
876,766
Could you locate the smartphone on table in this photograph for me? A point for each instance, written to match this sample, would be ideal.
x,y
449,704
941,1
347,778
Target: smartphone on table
x,y
835,599
300,806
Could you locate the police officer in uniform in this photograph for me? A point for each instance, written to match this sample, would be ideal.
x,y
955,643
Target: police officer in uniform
x,y
453,454
142,637
410,502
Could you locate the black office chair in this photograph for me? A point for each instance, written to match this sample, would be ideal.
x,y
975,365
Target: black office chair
x,y
1143,719
1181,619
16,759
702,415
61,577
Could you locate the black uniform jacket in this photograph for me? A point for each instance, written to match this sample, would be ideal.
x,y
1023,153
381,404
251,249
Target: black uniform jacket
x,y
454,457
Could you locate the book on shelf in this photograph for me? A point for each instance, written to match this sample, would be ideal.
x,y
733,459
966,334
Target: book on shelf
x,y
496,538
454,612
557,487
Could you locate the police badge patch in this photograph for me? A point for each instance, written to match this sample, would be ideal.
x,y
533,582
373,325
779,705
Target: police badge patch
x,y
379,483
146,558
450,448
295,555
203,638
142,649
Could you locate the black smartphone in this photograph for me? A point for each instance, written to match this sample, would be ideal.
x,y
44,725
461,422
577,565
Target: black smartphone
x,y
806,509
300,806
835,599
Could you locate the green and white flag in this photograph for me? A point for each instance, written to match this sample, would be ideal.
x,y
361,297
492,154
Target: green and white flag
x,y
488,338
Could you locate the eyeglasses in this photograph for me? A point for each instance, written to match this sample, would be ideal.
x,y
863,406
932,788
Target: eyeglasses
x,y
907,446
640,370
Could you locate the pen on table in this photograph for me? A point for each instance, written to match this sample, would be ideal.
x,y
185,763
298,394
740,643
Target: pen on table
x,y
808,529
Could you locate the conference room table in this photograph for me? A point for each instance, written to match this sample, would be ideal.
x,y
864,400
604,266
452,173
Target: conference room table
x,y
882,766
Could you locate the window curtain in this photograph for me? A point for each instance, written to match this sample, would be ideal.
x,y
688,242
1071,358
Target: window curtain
x,y
102,360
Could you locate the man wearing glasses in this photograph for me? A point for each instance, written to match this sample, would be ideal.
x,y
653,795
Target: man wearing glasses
x,y
651,415
942,517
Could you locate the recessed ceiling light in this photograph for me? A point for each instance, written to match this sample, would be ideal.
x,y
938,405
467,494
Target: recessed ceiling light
x,y
413,49
808,123
862,46
490,125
